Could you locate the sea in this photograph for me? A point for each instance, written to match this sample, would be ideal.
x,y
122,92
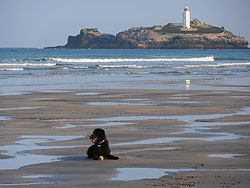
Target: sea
x,y
26,70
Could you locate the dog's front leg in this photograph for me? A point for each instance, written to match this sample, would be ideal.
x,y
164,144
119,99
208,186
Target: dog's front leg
x,y
93,152
97,153
96,157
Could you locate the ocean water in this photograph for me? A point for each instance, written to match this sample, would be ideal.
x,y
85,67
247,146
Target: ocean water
x,y
24,70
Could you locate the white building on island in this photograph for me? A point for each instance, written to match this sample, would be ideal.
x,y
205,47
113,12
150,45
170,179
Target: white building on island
x,y
186,18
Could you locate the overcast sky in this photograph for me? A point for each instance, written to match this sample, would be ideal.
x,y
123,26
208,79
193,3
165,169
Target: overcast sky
x,y
40,23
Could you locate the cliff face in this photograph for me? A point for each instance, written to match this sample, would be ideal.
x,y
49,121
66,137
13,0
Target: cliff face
x,y
171,36
92,38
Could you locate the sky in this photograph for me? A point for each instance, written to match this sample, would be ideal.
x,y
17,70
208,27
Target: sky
x,y
42,23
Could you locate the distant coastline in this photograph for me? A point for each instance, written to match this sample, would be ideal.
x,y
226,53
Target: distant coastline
x,y
171,36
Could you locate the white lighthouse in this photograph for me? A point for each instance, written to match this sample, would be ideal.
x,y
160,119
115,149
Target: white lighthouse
x,y
186,18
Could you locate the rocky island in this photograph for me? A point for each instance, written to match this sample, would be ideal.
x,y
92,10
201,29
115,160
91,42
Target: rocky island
x,y
170,36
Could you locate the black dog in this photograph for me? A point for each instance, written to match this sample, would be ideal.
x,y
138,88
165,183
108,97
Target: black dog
x,y
100,147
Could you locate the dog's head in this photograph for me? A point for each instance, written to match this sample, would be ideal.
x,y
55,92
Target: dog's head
x,y
98,136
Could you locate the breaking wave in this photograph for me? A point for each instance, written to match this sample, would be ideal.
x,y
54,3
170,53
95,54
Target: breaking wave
x,y
42,59
209,58
26,64
129,66
214,65
234,64
11,69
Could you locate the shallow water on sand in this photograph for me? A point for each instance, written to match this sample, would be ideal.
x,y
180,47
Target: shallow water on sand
x,y
226,156
20,154
192,126
130,174
200,128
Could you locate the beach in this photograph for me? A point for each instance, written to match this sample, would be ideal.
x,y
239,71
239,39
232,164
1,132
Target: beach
x,y
175,118
173,138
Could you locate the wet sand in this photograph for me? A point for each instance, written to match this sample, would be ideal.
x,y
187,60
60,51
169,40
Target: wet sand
x,y
172,138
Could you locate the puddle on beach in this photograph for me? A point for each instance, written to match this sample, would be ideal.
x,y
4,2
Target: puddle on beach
x,y
146,103
39,179
179,98
147,149
56,91
118,95
112,121
88,93
240,97
226,156
204,126
164,140
149,102
6,93
186,118
21,155
45,99
4,118
130,174
22,184
186,102
21,108
193,126
117,104
137,99
95,125
38,176
183,95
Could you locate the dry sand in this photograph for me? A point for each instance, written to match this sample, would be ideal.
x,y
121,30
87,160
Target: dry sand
x,y
172,138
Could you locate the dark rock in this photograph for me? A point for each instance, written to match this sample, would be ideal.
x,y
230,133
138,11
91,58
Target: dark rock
x,y
92,38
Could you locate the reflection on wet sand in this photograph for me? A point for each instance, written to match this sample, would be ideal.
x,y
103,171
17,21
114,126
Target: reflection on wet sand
x,y
21,155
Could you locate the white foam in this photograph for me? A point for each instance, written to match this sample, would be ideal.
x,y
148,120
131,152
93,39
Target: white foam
x,y
11,69
26,64
80,67
124,66
214,65
209,58
232,64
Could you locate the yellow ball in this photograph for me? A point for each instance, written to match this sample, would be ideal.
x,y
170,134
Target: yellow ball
x,y
101,158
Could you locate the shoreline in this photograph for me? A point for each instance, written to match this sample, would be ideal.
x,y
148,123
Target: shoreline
x,y
179,126
73,85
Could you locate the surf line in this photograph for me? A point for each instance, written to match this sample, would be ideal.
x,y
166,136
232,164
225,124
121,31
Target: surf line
x,y
209,58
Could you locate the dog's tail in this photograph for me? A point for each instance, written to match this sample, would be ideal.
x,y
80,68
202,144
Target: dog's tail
x,y
112,157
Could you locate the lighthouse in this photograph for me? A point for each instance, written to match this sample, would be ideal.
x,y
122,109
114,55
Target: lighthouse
x,y
186,18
